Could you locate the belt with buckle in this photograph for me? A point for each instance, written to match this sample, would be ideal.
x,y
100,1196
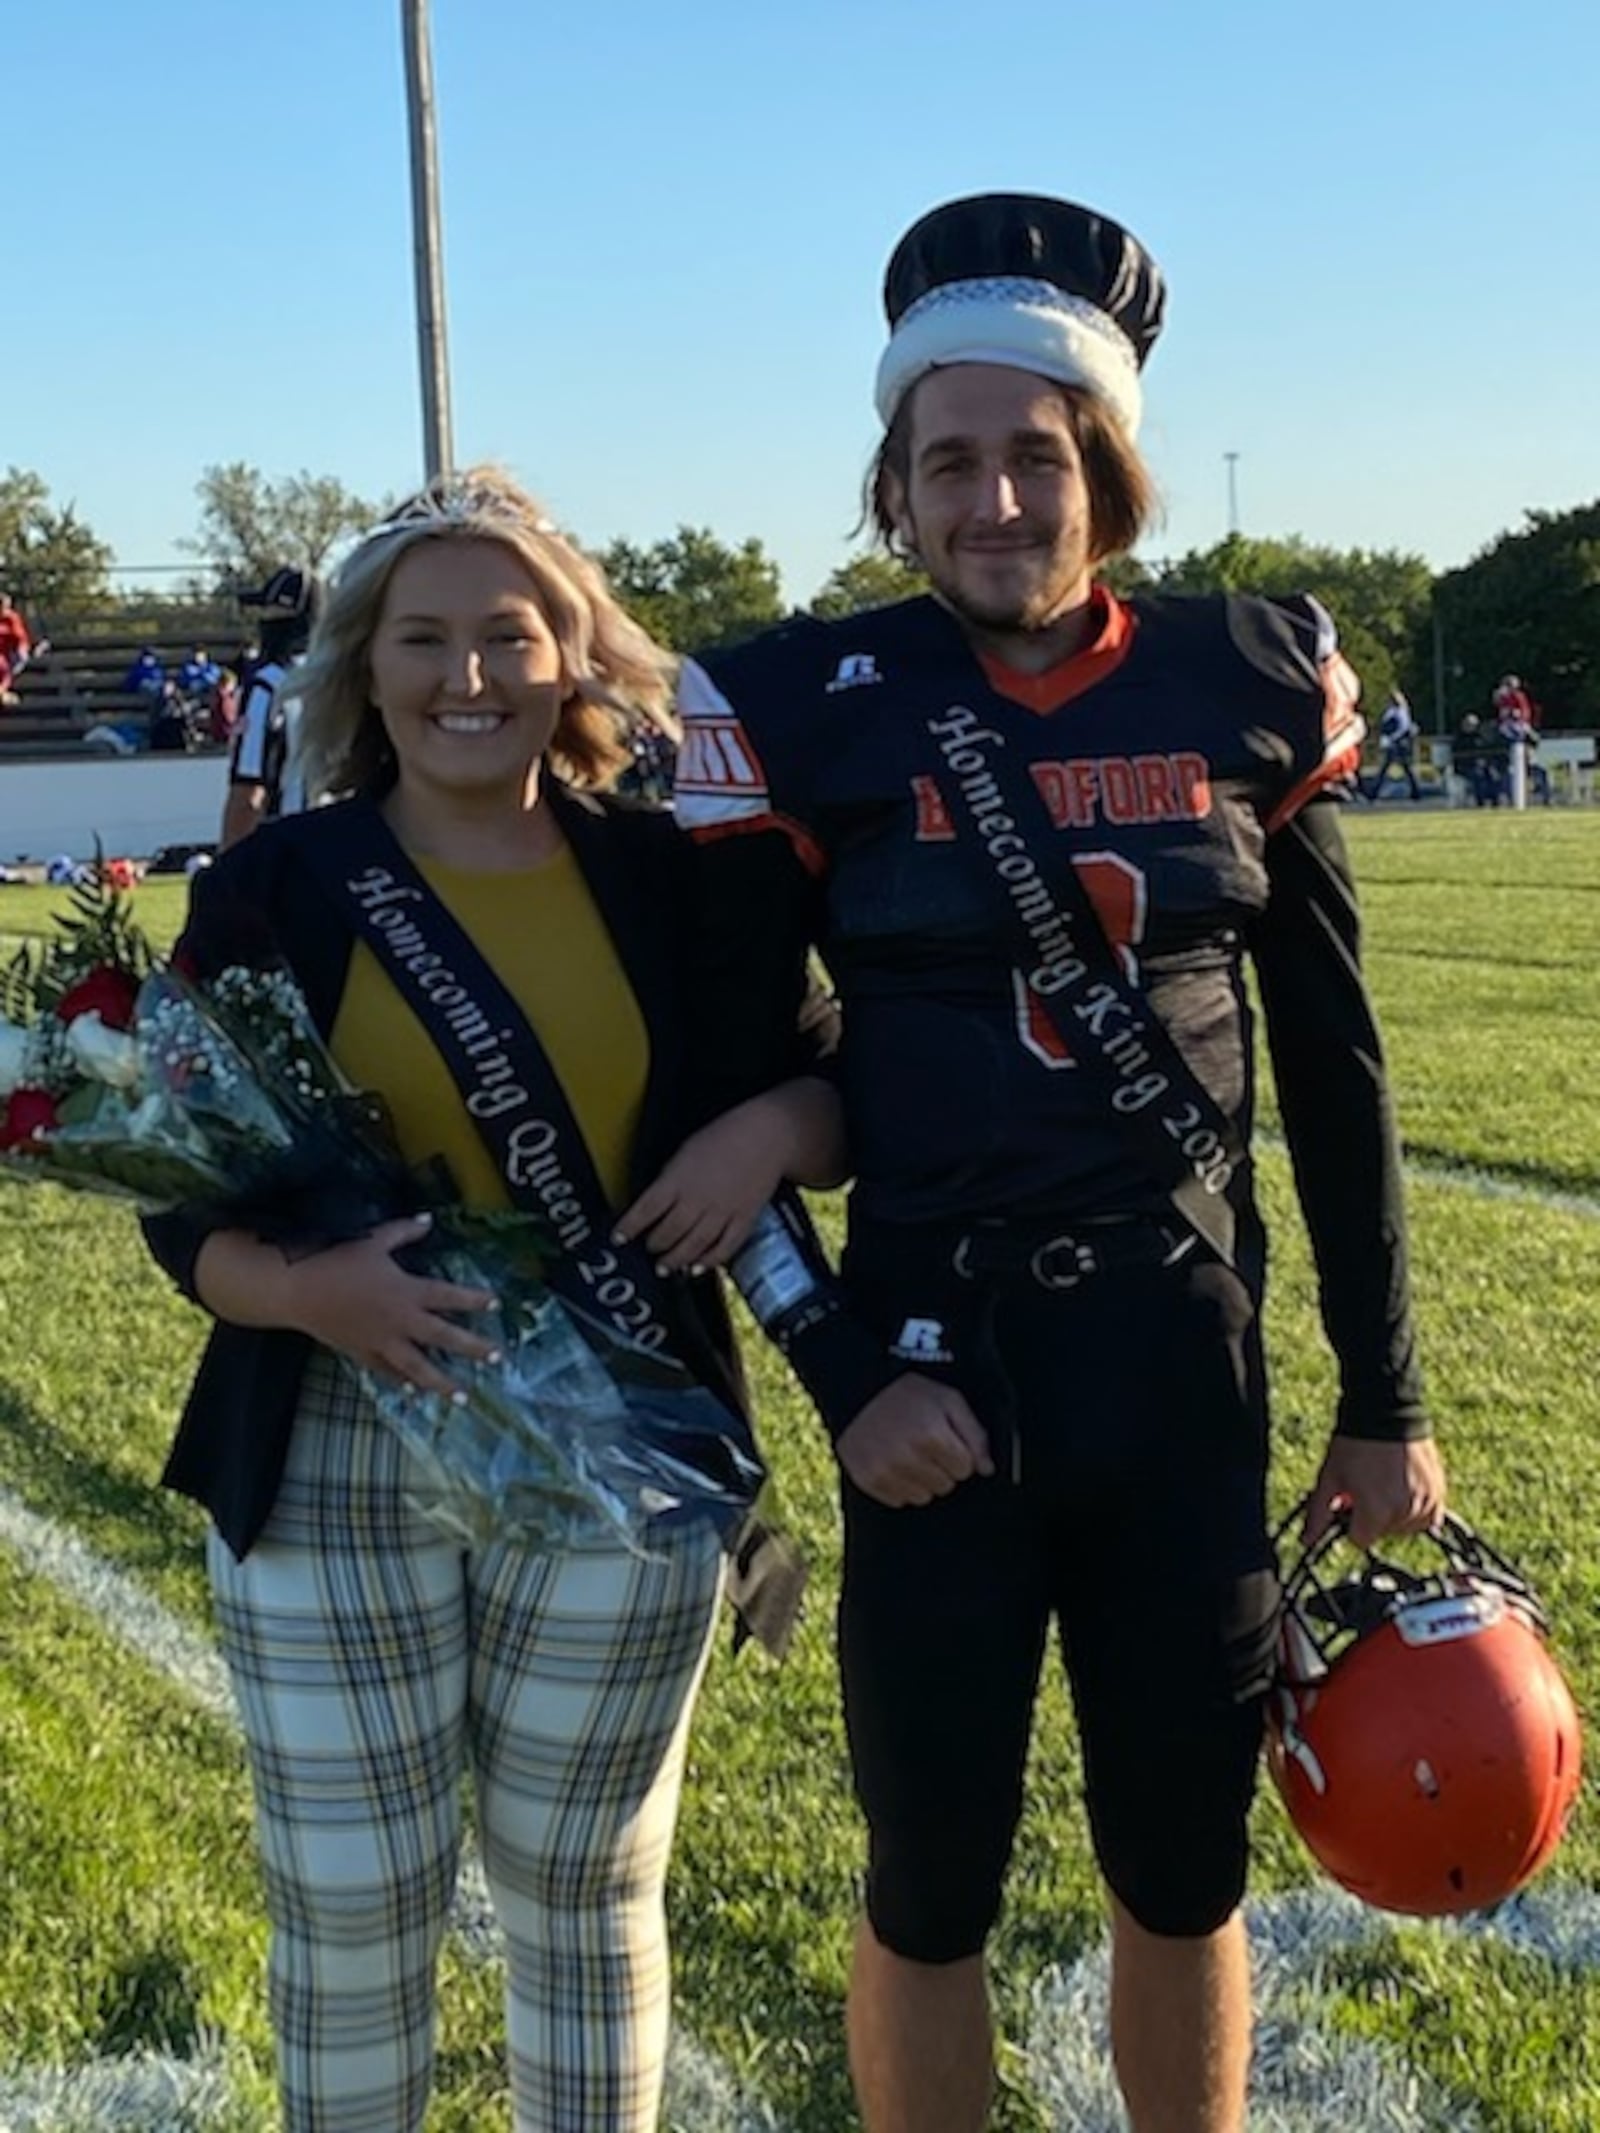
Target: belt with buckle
x,y
1061,1258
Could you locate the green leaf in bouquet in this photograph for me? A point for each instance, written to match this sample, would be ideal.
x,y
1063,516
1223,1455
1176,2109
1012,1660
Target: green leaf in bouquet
x,y
97,931
154,1176
19,984
88,1102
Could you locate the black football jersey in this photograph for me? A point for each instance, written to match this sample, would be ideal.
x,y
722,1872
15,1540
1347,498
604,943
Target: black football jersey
x,y
1167,753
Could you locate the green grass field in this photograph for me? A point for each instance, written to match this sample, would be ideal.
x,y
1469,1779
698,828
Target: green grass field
x,y
131,1923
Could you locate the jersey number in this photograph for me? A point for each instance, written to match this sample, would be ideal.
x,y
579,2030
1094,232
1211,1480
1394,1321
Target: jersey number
x,y
1117,891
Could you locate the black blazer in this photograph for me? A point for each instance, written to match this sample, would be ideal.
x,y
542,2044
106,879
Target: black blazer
x,y
261,899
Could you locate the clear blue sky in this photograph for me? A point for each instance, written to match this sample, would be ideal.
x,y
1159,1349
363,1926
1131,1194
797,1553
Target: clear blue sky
x,y
665,229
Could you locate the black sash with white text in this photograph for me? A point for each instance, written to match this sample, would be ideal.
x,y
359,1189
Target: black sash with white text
x,y
521,1112
511,1091
1071,968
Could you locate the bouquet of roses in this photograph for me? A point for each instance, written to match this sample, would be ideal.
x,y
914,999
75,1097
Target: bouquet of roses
x,y
122,1076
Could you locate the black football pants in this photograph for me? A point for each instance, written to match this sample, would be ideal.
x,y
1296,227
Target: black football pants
x,y
1127,1417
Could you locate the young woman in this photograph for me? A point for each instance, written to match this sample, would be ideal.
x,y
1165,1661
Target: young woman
x,y
471,686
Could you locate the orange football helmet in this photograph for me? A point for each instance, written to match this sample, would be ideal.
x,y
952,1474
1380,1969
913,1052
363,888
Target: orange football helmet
x,y
1420,1733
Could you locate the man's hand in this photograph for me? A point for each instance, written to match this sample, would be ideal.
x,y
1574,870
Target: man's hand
x,y
1390,1488
916,1440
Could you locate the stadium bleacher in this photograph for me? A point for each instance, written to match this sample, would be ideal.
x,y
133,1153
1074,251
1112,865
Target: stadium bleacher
x,y
77,685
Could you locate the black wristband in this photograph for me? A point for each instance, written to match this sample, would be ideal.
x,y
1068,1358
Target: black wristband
x,y
839,1363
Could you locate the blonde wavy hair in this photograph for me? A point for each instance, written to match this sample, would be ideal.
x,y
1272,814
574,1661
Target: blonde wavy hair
x,y
619,679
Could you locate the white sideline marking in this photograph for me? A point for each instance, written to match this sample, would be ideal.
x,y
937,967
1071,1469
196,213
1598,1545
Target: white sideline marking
x,y
56,1554
1481,1184
152,2093
1484,1185
143,2093
1303,2078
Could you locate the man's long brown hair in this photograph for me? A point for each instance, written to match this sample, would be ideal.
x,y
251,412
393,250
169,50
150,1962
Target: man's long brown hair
x,y
1123,503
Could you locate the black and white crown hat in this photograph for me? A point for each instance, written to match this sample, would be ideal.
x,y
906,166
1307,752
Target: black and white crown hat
x,y
1028,282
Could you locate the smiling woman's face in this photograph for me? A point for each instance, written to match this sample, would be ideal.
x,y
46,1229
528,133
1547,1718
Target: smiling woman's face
x,y
466,674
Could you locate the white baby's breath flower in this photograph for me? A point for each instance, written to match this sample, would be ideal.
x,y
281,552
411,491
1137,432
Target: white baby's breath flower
x,y
14,1054
108,1055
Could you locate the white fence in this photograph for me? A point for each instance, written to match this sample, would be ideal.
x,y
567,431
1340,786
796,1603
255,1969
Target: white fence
x,y
132,804
1567,759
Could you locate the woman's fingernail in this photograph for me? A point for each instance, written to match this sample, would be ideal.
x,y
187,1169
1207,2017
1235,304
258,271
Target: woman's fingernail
x,y
423,1221
458,1398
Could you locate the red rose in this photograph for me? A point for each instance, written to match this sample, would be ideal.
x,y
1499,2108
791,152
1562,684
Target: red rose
x,y
28,1113
105,992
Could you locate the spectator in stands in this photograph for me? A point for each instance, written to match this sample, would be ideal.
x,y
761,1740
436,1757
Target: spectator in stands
x,y
147,676
224,707
199,676
263,778
16,647
1397,746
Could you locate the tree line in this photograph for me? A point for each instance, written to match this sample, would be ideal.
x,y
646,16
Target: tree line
x,y
1528,603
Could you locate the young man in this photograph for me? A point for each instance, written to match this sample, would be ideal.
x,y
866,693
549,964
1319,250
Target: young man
x,y
1053,1235
262,778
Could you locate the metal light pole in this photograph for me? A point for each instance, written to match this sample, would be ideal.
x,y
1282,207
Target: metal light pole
x,y
1233,492
437,450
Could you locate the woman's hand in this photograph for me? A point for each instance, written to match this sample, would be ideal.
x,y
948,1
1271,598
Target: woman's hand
x,y
701,1207
355,1298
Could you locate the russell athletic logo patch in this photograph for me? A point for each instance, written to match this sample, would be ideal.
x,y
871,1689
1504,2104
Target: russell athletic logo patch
x,y
921,1340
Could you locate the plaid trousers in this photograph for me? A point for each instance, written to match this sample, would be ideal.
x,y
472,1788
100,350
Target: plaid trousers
x,y
375,1662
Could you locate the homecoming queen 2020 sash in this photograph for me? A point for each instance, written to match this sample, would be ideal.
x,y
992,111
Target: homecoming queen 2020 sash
x,y
511,1091
516,1102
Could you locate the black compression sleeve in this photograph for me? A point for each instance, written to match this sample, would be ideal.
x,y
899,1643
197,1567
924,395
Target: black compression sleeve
x,y
784,1276
1334,1097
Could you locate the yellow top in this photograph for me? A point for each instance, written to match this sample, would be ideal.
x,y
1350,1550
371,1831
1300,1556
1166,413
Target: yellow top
x,y
542,936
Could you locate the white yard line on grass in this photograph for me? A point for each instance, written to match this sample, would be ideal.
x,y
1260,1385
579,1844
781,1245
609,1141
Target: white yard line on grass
x,y
55,1553
146,2092
1484,1185
1481,1184
1304,2079
156,2094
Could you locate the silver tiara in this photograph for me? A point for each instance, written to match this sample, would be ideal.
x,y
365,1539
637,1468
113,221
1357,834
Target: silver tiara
x,y
454,502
